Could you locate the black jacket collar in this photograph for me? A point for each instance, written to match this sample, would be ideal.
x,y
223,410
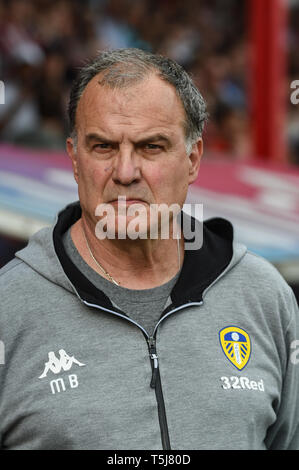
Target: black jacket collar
x,y
200,268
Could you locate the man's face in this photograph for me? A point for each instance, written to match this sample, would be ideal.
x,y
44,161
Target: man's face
x,y
131,142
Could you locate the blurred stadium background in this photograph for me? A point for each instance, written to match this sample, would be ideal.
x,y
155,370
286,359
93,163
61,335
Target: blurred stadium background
x,y
242,54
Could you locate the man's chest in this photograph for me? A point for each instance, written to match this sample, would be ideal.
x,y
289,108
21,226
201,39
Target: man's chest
x,y
90,388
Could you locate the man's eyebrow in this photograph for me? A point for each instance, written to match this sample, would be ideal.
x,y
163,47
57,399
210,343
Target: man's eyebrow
x,y
154,138
94,136
89,138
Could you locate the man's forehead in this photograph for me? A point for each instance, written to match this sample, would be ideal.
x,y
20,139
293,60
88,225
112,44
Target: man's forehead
x,y
147,96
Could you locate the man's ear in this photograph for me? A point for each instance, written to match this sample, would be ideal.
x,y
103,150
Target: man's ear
x,y
72,153
194,160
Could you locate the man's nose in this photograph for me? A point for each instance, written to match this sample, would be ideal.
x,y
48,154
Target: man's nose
x,y
126,167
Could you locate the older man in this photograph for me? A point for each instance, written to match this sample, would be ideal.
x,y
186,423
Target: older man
x,y
149,345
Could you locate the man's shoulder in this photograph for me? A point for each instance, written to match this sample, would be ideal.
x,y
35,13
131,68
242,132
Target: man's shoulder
x,y
259,266
27,261
10,266
14,277
12,270
13,285
265,278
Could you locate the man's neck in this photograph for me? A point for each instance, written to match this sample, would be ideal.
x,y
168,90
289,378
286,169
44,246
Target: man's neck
x,y
134,264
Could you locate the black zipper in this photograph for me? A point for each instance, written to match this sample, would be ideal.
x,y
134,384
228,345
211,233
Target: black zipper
x,y
156,384
156,379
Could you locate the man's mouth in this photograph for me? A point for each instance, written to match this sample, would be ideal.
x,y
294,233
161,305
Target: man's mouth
x,y
127,201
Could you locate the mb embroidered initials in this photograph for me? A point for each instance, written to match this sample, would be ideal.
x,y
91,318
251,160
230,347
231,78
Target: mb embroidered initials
x,y
63,363
58,385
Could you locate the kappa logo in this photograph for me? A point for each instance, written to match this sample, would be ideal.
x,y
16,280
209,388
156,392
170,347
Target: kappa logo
x,y
236,345
56,365
63,363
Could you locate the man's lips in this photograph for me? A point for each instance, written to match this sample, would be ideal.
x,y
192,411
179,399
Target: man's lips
x,y
127,201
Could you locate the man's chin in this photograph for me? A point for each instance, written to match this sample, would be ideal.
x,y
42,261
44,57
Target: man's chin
x,y
145,225
122,228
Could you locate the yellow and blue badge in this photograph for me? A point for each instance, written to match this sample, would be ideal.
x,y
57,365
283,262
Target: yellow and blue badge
x,y
236,345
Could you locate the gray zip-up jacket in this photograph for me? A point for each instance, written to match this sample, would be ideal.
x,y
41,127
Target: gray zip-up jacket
x,y
219,372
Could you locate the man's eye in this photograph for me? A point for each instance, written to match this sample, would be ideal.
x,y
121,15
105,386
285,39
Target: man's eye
x,y
153,147
103,146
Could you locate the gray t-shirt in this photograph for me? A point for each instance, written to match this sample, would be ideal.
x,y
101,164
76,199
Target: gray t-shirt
x,y
144,306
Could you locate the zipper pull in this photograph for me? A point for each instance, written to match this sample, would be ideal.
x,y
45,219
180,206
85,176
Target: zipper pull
x,y
152,345
154,358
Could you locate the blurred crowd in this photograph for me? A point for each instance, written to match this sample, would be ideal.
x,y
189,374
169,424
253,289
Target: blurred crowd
x,y
43,42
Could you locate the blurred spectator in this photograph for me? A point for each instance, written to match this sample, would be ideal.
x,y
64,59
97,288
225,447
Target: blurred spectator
x,y
19,113
50,95
229,136
117,27
43,42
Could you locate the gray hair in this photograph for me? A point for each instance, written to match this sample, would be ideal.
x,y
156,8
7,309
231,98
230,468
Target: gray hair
x,y
125,67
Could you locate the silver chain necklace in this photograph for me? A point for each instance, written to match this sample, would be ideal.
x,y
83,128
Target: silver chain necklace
x,y
97,263
106,272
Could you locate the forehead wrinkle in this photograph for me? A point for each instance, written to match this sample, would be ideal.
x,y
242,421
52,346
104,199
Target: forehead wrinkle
x,y
122,97
121,104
